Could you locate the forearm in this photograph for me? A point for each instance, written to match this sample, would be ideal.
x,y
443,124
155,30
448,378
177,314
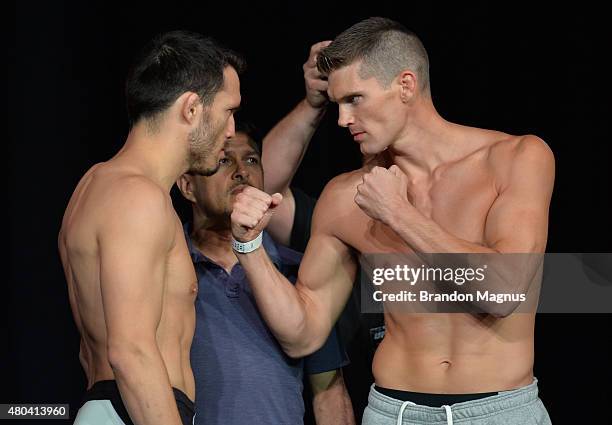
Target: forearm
x,y
503,273
422,234
332,404
287,312
284,146
143,382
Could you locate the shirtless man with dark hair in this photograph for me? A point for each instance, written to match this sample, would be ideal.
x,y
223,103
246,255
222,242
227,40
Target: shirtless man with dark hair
x,y
130,278
449,189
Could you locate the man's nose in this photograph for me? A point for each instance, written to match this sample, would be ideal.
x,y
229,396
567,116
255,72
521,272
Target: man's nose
x,y
241,172
345,118
231,128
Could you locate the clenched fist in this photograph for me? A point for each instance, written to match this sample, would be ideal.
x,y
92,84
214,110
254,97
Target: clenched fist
x,y
382,193
251,212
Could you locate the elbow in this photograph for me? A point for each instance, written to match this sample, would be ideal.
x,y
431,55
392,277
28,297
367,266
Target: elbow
x,y
299,350
295,352
118,358
124,355
303,342
500,314
503,310
509,308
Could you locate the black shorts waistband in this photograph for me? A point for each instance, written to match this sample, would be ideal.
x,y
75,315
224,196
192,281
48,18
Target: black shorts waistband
x,y
431,400
108,390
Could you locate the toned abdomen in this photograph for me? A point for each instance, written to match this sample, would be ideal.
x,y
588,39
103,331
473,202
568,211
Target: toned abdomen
x,y
455,353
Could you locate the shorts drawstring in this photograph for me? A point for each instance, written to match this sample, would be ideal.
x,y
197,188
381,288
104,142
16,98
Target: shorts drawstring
x,y
401,412
449,413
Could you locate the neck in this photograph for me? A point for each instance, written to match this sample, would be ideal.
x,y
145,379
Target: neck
x,y
159,155
426,141
213,237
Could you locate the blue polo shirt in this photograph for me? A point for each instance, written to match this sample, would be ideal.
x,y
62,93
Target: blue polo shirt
x,y
242,375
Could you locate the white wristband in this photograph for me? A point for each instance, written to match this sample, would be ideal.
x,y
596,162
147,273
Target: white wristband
x,y
249,246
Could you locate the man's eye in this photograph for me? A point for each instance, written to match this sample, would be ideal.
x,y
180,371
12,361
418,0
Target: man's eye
x,y
355,99
224,161
253,160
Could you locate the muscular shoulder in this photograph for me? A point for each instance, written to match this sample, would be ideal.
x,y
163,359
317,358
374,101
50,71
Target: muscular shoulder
x,y
134,202
520,147
139,193
520,154
337,202
341,188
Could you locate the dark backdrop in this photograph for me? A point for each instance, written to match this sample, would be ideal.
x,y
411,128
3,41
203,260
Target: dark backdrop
x,y
519,68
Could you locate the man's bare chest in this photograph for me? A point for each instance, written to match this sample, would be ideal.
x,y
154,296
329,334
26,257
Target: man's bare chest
x,y
180,278
458,202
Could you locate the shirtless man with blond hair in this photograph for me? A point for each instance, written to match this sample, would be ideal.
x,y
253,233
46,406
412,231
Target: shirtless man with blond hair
x,y
448,189
130,278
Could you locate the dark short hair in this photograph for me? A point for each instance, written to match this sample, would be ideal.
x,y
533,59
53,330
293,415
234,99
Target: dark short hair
x,y
253,134
386,48
174,63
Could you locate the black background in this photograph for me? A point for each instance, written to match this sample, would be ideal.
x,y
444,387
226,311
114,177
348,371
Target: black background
x,y
518,68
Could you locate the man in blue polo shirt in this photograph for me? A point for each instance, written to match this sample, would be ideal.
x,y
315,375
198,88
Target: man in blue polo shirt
x,y
242,375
